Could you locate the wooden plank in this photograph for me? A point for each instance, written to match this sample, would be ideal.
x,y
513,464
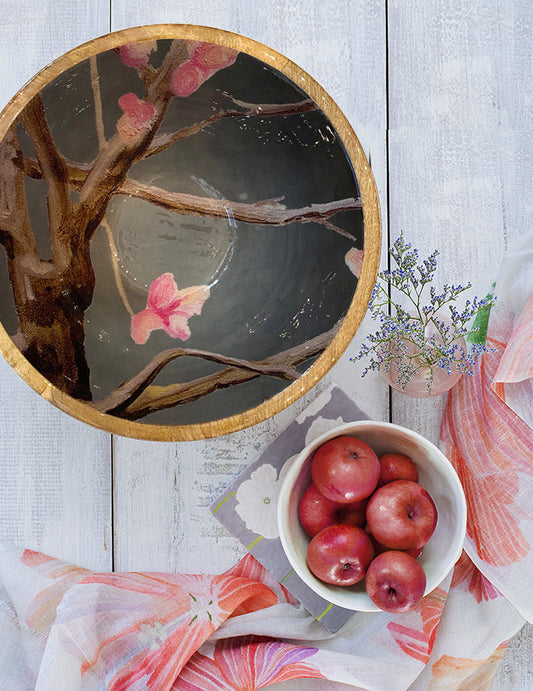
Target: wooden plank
x,y
516,670
458,184
35,33
464,144
56,480
470,211
460,165
55,472
343,48
467,63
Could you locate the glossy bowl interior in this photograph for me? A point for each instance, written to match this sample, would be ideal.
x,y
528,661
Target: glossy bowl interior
x,y
436,474
202,228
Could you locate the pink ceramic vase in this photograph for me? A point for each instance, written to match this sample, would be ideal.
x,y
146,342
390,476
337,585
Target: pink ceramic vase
x,y
427,381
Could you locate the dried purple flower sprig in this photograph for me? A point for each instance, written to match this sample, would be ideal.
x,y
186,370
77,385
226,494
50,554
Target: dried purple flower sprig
x,y
418,337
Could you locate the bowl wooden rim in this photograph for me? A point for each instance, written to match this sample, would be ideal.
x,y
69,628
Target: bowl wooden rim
x,y
372,237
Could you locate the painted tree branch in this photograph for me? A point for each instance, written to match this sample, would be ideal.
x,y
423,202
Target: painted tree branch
x,y
16,233
97,95
135,399
124,395
163,141
78,172
55,173
268,212
50,312
263,212
51,297
113,162
147,74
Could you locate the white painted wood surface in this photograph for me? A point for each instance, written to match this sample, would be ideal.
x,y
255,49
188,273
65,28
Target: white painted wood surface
x,y
460,165
55,487
440,97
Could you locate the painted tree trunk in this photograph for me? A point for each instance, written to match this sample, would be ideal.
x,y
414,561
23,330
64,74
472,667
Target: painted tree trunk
x,y
51,311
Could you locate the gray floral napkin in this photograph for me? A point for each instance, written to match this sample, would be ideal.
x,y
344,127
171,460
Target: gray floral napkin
x,y
248,507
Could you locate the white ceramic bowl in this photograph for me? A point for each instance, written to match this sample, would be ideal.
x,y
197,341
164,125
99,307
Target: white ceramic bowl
x,y
436,474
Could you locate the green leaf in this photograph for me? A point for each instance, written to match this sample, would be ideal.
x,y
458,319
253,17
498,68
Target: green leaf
x,y
478,334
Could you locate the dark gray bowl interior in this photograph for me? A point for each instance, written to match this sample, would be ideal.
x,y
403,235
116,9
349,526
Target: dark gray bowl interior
x,y
272,287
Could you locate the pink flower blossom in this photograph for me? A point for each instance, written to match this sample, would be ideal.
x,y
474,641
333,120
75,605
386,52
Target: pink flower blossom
x,y
417,640
138,630
466,575
41,612
247,663
205,60
169,309
213,57
138,116
186,79
354,261
137,54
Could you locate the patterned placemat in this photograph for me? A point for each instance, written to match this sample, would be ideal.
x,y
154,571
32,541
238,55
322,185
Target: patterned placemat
x,y
248,506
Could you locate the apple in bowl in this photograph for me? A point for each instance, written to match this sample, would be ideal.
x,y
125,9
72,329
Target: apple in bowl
x,y
340,554
317,511
396,466
435,474
401,515
400,520
395,581
345,469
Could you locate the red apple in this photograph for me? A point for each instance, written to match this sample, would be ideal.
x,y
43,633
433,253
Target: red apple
x,y
379,547
396,466
345,470
317,511
340,554
414,552
395,581
401,515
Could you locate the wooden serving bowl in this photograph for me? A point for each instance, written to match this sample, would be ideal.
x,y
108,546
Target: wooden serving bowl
x,y
191,232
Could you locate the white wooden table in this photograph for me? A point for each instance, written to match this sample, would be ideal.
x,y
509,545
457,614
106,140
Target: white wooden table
x,y
439,94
